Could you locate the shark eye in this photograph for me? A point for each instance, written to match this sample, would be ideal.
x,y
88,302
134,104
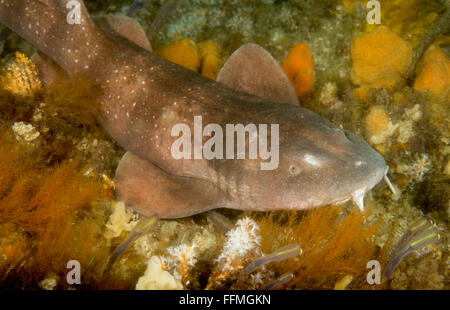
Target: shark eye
x,y
310,160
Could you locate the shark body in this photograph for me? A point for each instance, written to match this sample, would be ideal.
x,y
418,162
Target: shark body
x,y
144,96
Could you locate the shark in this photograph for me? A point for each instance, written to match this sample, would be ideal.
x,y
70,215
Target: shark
x,y
144,96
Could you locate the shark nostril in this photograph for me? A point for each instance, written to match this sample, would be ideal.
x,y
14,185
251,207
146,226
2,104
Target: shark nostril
x,y
360,163
294,170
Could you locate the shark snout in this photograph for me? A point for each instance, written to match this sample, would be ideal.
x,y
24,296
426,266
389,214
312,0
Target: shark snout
x,y
370,168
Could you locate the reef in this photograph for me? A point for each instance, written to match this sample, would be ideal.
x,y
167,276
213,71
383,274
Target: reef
x,y
388,83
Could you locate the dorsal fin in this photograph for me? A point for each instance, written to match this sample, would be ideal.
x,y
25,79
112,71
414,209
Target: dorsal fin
x,y
151,191
125,27
253,70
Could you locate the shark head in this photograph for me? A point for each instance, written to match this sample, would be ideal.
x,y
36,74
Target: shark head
x,y
319,164
333,168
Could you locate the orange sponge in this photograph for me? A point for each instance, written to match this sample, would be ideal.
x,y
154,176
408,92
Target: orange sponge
x,y
183,52
380,59
299,67
435,74
210,59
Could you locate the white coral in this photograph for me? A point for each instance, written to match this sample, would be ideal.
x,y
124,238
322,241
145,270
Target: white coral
x,y
181,258
240,241
182,253
416,170
25,132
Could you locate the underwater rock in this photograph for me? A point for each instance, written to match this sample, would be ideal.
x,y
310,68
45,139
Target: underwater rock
x,y
380,59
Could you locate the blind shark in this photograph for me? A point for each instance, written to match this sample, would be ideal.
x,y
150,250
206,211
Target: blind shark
x,y
144,96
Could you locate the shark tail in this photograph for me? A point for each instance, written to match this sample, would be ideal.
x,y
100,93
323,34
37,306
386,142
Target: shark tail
x,y
61,29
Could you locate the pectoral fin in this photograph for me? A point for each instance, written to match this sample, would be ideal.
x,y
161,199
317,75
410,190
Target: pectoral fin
x,y
253,70
152,191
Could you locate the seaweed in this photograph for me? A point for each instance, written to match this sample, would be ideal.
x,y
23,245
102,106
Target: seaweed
x,y
334,244
52,208
72,103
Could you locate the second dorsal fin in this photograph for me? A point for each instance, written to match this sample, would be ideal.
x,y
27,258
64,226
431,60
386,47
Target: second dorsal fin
x,y
253,70
126,27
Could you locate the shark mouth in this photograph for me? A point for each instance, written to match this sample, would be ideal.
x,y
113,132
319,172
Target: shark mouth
x,y
358,195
